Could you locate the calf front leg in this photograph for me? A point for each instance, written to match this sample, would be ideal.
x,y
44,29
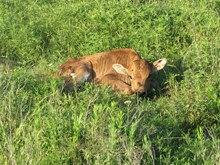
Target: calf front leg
x,y
116,84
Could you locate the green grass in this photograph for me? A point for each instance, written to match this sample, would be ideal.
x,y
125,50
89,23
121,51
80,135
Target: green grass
x,y
177,125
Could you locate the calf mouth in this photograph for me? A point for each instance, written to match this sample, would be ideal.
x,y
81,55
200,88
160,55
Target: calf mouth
x,y
141,94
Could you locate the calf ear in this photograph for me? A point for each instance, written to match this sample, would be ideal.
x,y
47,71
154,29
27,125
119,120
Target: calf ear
x,y
159,64
120,69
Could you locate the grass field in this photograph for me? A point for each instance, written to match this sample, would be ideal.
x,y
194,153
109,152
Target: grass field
x,y
179,124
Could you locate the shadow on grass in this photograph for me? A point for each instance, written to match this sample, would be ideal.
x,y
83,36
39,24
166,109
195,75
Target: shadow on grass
x,y
161,79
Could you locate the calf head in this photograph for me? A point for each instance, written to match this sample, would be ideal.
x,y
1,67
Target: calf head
x,y
139,73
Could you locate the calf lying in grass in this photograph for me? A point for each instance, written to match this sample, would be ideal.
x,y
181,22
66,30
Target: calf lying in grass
x,y
122,69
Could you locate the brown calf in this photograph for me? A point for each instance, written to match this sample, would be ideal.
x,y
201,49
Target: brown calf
x,y
122,69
